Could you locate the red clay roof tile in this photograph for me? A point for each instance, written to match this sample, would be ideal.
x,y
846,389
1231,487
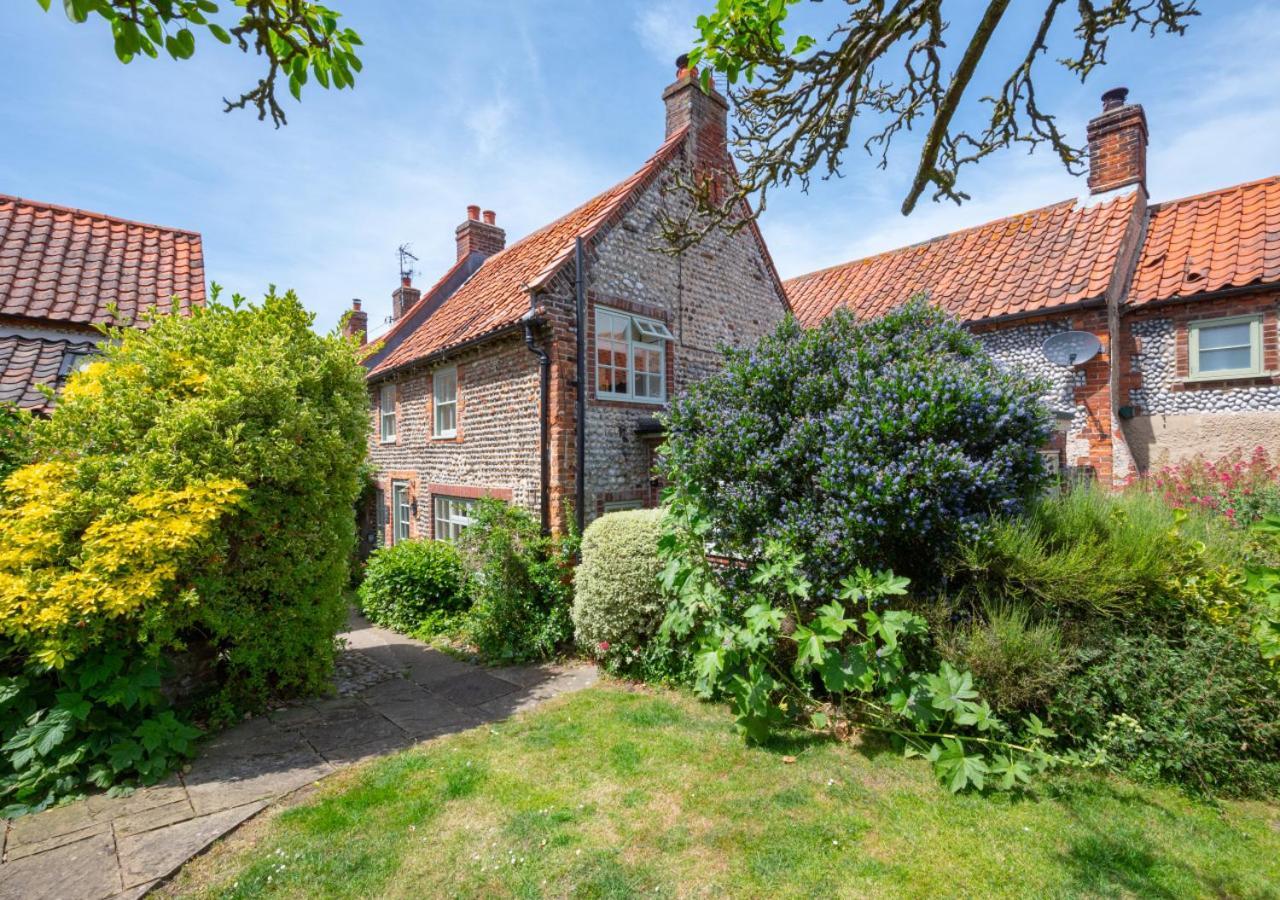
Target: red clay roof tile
x,y
496,295
1056,256
90,260
1198,245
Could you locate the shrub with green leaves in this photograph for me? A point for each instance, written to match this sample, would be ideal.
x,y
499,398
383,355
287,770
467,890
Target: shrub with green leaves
x,y
192,490
15,438
1017,662
876,443
1195,706
780,663
617,600
412,582
1091,553
520,582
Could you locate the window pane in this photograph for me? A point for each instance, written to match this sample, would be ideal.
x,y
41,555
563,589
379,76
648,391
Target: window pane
x,y
1226,360
1217,337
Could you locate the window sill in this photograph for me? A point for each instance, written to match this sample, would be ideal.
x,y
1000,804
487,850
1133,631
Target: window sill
x,y
629,401
445,437
1193,381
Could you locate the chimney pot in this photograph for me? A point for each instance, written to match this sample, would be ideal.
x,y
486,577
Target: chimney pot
x,y
479,236
1115,98
406,281
355,324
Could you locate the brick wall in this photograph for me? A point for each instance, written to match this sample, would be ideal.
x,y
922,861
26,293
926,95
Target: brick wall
x,y
496,448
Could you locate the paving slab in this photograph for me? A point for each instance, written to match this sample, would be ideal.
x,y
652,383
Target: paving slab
x,y
396,691
84,870
155,854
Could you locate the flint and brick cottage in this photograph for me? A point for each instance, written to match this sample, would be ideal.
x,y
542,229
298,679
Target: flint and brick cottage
x,y
1182,295
533,372
64,271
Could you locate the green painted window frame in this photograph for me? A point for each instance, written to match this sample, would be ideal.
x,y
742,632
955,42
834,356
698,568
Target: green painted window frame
x,y
1255,347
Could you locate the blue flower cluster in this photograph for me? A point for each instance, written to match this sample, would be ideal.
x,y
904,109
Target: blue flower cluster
x,y
875,444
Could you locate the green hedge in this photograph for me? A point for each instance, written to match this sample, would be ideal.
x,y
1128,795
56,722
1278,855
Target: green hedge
x,y
617,602
411,582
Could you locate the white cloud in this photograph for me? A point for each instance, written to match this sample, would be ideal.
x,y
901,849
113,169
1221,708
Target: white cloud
x,y
489,123
665,27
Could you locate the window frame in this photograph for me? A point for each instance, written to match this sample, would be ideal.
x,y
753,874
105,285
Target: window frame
x,y
611,506
399,490
1255,368
453,521
643,333
380,516
385,415
437,403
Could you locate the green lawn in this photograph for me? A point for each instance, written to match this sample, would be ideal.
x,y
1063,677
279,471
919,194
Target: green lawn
x,y
614,793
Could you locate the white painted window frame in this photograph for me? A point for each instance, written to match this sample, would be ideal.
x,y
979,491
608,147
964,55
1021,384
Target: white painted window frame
x,y
387,413
401,512
450,515
644,334
439,403
1255,347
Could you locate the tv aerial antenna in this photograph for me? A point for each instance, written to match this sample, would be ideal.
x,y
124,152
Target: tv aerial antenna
x,y
406,270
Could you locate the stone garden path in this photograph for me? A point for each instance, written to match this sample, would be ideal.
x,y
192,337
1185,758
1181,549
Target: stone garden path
x,y
393,691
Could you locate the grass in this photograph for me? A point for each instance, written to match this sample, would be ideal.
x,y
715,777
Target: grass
x,y
620,793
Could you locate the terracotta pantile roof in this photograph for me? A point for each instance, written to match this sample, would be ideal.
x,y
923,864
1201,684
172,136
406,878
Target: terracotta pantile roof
x,y
26,362
1197,245
496,296
67,265
1052,257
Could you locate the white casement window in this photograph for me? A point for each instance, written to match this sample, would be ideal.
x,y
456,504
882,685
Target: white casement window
x,y
387,409
1222,348
452,515
445,402
631,357
401,511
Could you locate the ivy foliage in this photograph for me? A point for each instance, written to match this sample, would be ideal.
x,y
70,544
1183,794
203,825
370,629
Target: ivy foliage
x,y
193,491
15,439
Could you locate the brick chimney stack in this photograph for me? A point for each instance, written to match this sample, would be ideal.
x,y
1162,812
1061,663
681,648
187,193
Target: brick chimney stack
x,y
356,323
403,298
477,235
705,113
1117,144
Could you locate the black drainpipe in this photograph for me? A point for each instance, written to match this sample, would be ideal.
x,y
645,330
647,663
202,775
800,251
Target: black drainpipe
x,y
544,424
579,288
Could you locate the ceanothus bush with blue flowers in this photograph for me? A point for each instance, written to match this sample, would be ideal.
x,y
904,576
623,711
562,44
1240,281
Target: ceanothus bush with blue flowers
x,y
876,443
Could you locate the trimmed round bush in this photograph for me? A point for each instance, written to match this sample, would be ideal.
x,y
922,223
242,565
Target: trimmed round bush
x,y
617,603
408,582
876,443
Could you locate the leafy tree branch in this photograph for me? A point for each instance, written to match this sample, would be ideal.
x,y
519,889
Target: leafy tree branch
x,y
802,103
298,39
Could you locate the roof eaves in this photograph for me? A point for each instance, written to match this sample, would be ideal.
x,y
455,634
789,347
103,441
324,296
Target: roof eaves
x,y
379,373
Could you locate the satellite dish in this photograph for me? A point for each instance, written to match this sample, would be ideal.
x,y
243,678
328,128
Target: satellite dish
x,y
1071,348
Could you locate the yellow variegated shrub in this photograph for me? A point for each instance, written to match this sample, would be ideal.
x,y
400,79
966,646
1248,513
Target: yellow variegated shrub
x,y
57,587
192,491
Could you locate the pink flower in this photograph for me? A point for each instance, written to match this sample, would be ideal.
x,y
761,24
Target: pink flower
x,y
603,646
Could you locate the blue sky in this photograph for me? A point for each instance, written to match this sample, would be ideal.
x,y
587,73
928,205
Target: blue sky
x,y
529,107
